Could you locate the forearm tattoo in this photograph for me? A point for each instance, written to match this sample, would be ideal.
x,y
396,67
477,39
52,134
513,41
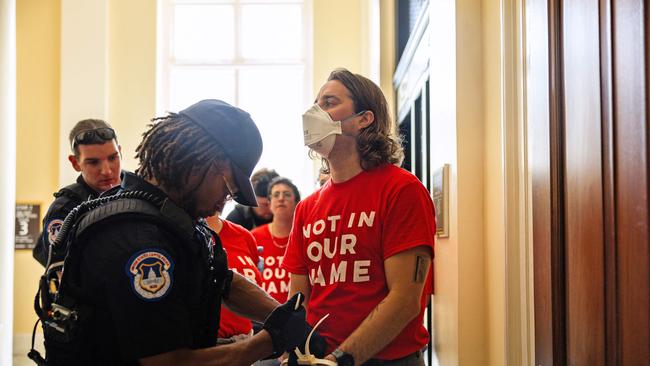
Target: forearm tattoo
x,y
420,269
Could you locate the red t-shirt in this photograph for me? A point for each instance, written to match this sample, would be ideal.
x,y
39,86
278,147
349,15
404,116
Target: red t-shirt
x,y
242,254
275,280
341,236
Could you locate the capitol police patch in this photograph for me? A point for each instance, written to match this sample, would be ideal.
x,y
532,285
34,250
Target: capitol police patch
x,y
150,272
53,227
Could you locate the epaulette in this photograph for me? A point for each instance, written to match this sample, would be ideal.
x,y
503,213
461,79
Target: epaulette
x,y
74,191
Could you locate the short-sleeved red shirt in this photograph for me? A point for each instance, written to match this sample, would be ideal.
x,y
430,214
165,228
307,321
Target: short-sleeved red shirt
x,y
242,254
275,280
340,238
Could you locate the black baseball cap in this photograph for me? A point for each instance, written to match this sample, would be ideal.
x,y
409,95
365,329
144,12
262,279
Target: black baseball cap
x,y
234,130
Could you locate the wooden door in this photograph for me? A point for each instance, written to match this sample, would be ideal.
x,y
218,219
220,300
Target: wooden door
x,y
587,113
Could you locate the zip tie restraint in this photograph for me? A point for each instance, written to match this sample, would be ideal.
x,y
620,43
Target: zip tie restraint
x,y
307,358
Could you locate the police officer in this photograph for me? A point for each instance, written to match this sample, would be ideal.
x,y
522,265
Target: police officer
x,y
148,286
96,155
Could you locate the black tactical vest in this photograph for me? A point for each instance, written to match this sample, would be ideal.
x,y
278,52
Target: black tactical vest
x,y
66,311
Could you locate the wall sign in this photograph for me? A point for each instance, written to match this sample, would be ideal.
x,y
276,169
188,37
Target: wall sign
x,y
28,225
440,197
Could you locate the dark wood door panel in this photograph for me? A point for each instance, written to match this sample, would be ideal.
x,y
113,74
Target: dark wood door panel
x,y
631,179
590,161
545,113
585,277
609,186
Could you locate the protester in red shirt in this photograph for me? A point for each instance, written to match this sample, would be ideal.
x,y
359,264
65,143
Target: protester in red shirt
x,y
273,237
241,249
361,246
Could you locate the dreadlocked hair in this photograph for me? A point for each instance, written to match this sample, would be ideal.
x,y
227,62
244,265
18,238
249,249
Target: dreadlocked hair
x,y
175,148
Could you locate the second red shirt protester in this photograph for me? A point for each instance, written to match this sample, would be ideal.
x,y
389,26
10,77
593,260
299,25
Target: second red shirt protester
x,y
241,249
273,237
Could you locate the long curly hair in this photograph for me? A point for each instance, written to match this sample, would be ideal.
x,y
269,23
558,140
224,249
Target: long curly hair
x,y
377,144
173,149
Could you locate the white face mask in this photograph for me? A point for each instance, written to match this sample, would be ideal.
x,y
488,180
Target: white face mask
x,y
320,129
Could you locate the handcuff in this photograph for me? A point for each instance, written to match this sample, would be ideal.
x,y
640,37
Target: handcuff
x,y
307,358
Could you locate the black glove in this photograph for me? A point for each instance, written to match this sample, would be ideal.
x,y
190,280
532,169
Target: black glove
x,y
317,347
287,326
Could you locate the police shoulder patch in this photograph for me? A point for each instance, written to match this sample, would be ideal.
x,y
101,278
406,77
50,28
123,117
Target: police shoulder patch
x,y
53,227
150,273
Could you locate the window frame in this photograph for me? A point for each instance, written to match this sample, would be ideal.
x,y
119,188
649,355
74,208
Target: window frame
x,y
165,59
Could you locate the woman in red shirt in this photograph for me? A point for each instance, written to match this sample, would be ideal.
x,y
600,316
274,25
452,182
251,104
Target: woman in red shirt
x,y
273,237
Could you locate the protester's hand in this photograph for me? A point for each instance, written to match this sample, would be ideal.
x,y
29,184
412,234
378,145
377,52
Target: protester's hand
x,y
287,326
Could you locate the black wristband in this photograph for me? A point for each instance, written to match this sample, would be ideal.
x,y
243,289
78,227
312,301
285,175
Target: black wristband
x,y
343,358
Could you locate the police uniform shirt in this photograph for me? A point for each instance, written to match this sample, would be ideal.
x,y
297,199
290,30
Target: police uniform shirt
x,y
147,287
67,198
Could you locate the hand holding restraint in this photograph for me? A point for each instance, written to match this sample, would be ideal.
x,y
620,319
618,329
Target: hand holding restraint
x,y
304,356
287,326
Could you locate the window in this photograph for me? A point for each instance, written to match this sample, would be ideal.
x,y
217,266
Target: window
x,y
250,53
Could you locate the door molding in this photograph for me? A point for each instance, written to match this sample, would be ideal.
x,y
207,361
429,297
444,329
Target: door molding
x,y
520,330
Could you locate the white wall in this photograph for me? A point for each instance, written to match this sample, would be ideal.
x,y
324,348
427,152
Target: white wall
x,y
8,169
457,135
84,71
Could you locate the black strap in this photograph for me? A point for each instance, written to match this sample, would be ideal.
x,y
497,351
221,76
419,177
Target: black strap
x,y
33,354
168,212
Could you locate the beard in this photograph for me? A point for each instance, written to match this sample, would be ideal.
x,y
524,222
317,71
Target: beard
x,y
196,211
190,205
